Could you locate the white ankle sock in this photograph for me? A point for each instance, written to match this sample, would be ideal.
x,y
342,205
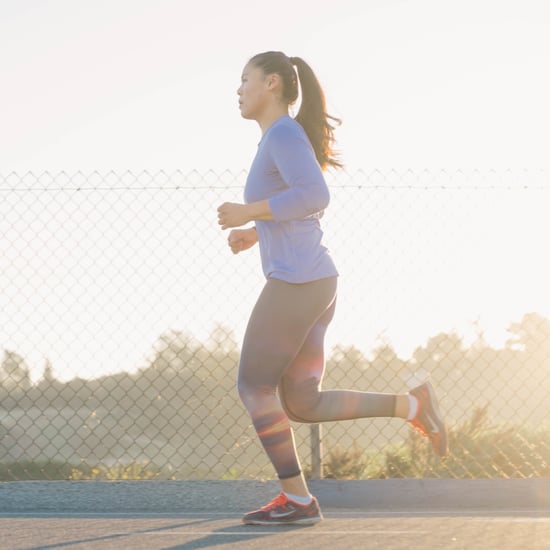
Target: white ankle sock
x,y
413,406
304,501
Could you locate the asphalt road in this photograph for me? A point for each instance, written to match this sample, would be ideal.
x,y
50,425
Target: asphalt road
x,y
380,514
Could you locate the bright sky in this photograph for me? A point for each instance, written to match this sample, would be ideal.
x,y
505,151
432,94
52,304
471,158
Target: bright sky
x,y
135,84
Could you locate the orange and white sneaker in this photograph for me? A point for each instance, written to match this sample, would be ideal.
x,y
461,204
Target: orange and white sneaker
x,y
428,420
283,511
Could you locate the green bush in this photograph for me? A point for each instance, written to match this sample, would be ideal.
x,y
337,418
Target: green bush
x,y
53,470
477,449
355,463
34,470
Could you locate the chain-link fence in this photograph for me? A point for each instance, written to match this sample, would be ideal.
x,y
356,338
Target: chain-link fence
x,y
122,310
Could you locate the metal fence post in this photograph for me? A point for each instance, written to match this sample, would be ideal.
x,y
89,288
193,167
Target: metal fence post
x,y
316,452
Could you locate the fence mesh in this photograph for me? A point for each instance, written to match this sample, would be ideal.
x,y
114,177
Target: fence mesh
x,y
122,311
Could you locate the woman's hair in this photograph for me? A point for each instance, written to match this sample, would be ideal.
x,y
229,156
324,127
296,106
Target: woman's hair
x,y
312,114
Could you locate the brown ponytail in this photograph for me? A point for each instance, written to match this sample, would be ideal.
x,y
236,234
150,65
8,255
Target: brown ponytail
x,y
312,114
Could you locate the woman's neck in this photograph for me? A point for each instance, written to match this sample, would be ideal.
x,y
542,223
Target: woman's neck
x,y
270,116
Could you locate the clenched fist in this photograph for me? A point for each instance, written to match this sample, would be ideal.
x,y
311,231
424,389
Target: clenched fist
x,y
242,239
231,214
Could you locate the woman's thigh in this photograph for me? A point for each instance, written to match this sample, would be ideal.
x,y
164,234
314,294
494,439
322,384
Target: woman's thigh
x,y
279,325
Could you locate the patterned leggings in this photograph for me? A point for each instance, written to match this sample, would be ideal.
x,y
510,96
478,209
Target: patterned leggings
x,y
282,364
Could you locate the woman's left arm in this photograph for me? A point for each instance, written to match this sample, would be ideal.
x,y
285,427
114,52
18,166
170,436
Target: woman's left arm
x,y
307,191
232,214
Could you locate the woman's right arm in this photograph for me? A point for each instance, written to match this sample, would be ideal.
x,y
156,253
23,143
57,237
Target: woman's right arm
x,y
242,239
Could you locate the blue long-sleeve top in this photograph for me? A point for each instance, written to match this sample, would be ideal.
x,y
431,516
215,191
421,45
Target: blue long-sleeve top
x,y
286,172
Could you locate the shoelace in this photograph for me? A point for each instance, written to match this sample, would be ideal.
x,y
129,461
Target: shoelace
x,y
415,422
418,427
279,500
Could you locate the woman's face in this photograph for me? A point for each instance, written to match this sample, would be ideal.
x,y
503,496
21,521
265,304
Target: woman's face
x,y
253,92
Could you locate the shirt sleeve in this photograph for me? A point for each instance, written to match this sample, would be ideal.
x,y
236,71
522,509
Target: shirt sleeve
x,y
295,160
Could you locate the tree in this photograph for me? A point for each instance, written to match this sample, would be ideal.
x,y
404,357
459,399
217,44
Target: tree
x,y
222,340
14,372
48,376
531,334
443,358
176,351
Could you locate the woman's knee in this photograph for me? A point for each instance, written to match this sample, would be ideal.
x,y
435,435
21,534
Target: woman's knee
x,y
246,392
255,396
302,417
300,400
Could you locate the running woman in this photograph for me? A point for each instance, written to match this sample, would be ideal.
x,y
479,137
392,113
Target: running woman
x,y
282,358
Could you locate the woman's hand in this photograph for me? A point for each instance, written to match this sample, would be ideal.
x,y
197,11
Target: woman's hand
x,y
231,214
242,239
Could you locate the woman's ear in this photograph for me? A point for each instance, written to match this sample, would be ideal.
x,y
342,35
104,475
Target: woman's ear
x,y
273,81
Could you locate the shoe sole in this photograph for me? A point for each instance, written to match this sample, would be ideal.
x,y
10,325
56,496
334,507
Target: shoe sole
x,y
303,521
438,418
